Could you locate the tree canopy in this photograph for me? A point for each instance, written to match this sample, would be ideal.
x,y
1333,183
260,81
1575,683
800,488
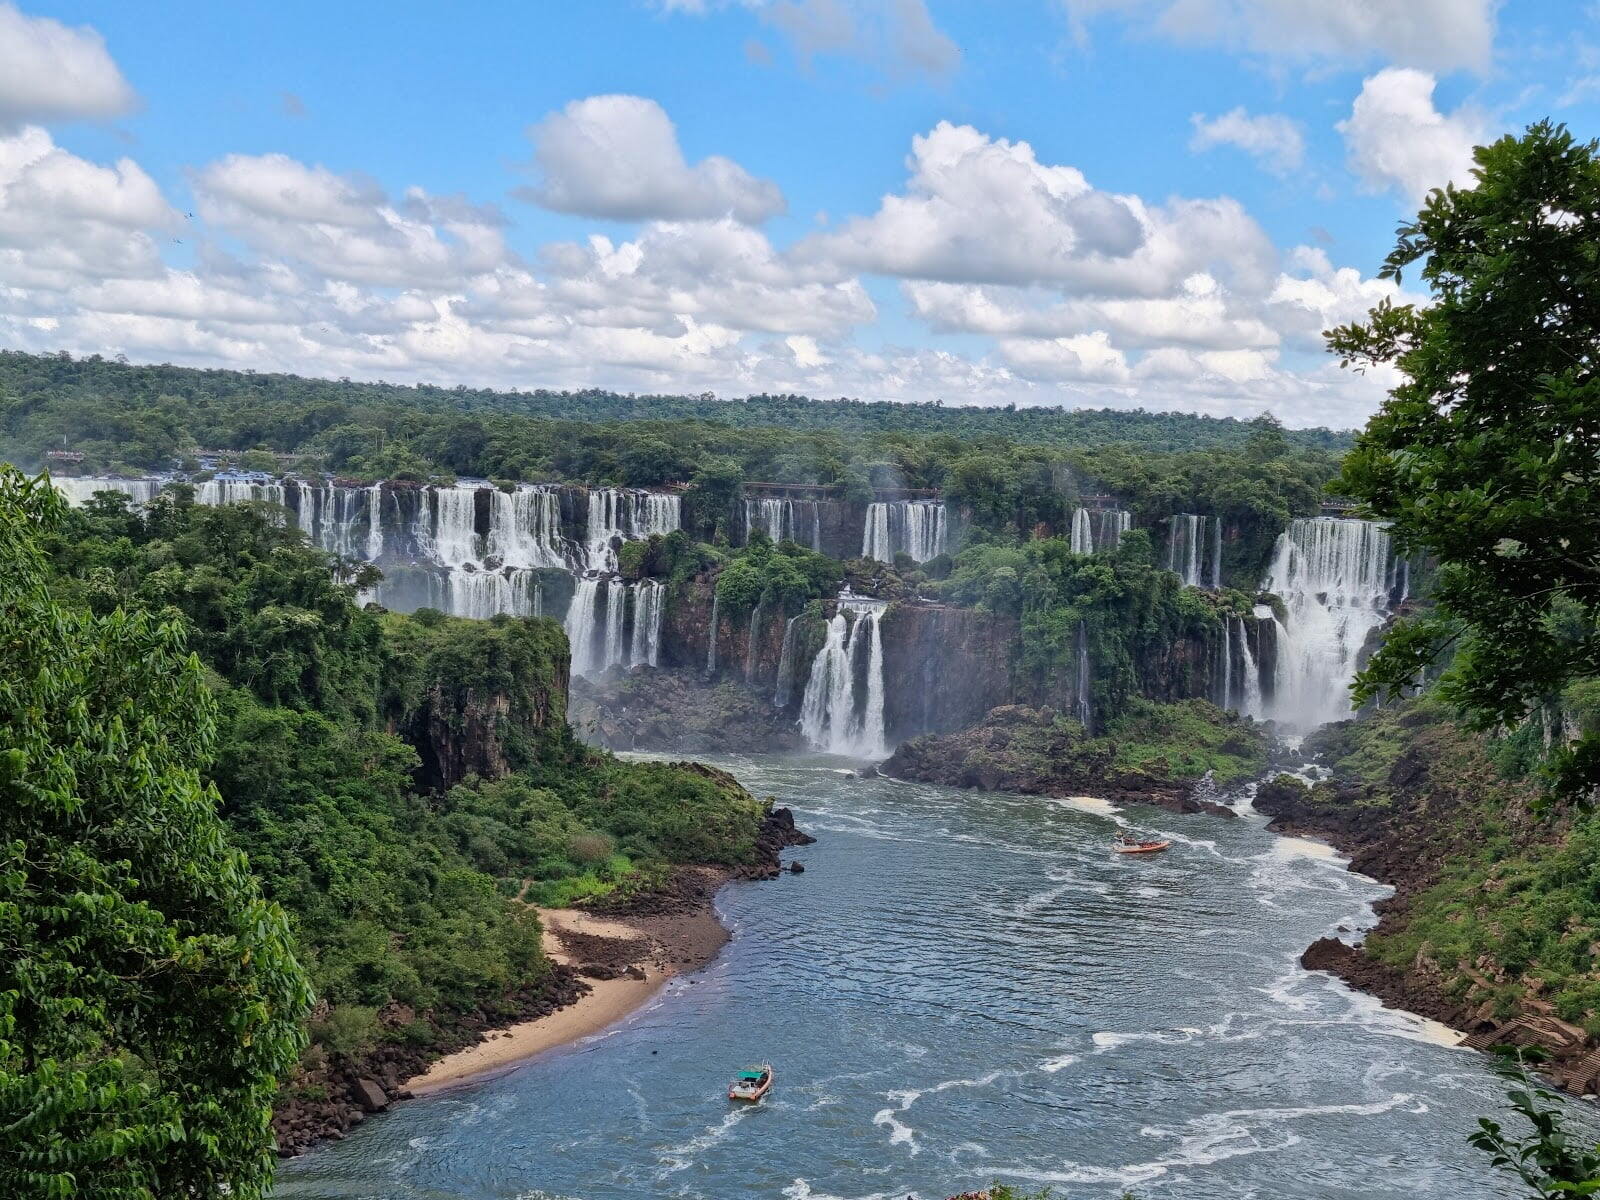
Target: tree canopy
x,y
150,1001
1486,455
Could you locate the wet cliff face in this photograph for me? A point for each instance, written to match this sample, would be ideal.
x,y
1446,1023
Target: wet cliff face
x,y
479,697
943,668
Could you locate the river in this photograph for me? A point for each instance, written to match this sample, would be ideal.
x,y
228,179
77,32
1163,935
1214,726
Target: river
x,y
964,986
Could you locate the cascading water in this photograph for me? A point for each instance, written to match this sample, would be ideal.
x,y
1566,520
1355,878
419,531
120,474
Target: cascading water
x,y
1110,525
80,490
1194,549
469,550
1082,532
914,527
1083,681
597,624
711,636
1334,577
752,644
626,514
645,645
525,528
785,520
783,692
842,711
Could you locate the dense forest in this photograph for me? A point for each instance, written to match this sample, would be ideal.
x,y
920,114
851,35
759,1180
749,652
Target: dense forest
x,y
401,787
142,414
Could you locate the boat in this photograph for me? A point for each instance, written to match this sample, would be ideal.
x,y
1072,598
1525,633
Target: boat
x,y
752,1083
1128,845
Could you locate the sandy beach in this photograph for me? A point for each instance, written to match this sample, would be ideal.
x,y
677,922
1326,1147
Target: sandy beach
x,y
641,951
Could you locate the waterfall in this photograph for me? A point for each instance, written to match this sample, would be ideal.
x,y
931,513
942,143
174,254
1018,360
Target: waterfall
x,y
1110,525
1333,575
842,711
1083,681
1192,555
1082,532
1224,690
582,618
616,611
375,522
750,646
784,691
645,649
914,527
80,490
783,520
525,527
626,514
1250,673
434,549
711,639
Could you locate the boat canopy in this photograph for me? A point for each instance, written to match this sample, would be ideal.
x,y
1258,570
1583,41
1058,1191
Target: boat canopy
x,y
751,1073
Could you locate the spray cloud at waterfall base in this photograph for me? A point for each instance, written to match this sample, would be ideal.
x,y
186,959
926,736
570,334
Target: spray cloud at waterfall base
x,y
1338,580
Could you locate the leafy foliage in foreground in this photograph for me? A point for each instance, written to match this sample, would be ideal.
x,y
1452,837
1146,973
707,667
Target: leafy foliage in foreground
x,y
1487,455
1547,1158
150,1000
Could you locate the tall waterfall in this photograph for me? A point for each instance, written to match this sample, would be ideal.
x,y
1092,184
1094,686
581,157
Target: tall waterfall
x,y
914,527
1082,532
1237,678
1082,681
1334,577
711,637
645,646
1194,549
785,520
612,623
783,691
752,644
626,514
842,711
1098,529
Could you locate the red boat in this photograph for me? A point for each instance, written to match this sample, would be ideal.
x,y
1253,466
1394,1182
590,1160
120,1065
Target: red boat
x,y
1130,846
752,1083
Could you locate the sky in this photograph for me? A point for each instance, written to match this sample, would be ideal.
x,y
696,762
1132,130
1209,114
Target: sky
x,y
1123,203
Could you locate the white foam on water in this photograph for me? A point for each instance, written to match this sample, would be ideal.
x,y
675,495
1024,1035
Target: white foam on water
x,y
899,1132
801,1190
1059,1063
678,1158
1149,893
1090,804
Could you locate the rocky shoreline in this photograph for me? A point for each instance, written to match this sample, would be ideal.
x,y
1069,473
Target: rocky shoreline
x,y
677,931
1403,843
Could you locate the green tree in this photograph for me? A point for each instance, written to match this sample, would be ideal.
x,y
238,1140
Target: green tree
x,y
1487,453
149,999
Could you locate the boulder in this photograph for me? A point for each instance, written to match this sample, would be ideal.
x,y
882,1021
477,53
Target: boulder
x,y
369,1094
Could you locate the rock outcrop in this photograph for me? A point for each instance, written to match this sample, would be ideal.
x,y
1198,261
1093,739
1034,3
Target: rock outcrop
x,y
1033,751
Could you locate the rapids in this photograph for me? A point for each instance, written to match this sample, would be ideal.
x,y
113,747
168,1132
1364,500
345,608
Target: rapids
x,y
964,986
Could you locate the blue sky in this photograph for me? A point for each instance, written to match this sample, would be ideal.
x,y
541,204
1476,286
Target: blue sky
x,y
1117,202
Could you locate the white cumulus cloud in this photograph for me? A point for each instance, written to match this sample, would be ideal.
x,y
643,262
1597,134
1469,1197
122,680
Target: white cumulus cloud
x,y
618,157
1396,138
49,72
985,210
1271,138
